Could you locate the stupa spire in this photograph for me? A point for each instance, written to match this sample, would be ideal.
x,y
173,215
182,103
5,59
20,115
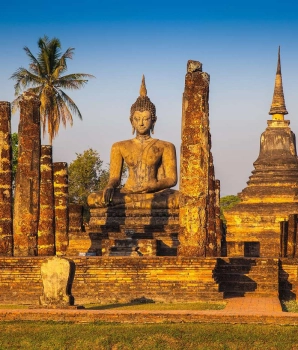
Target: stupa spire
x,y
278,107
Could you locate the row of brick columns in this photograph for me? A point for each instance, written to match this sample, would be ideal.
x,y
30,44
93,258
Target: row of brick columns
x,y
38,222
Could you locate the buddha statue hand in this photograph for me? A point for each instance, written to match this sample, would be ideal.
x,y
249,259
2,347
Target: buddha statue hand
x,y
108,194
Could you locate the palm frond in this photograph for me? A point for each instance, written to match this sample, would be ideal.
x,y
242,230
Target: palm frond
x,y
73,81
70,103
61,65
71,84
25,79
64,109
74,76
34,65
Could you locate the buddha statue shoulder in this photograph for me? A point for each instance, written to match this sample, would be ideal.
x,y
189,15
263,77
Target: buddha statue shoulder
x,y
151,163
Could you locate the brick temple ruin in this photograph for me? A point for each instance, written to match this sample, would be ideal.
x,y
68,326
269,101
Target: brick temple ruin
x,y
173,250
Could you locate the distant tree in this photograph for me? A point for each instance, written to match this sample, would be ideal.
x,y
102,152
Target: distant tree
x,y
227,202
15,151
86,175
44,78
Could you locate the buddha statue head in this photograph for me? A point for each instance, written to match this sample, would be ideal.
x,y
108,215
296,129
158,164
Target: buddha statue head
x,y
142,108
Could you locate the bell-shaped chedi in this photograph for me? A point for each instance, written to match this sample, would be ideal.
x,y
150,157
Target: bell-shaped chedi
x,y
271,195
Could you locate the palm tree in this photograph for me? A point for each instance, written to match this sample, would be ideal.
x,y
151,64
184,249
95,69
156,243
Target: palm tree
x,y
44,78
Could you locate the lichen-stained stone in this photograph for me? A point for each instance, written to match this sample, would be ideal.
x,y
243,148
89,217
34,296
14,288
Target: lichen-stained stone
x,y
55,274
46,234
194,163
26,200
6,248
61,206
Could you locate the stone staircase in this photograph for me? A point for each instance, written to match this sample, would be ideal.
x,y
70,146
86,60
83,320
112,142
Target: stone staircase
x,y
247,276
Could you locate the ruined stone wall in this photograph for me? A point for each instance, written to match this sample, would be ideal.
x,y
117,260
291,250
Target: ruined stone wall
x,y
6,245
26,200
105,280
194,164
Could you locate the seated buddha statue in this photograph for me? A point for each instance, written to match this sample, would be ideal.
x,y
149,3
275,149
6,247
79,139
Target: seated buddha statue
x,y
152,166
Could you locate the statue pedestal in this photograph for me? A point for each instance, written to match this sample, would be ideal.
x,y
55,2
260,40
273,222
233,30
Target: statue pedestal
x,y
129,232
128,247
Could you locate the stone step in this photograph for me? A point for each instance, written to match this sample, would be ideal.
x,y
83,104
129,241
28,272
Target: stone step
x,y
247,276
255,294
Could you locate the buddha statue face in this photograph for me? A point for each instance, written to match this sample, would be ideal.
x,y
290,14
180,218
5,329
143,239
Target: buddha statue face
x,y
143,113
142,122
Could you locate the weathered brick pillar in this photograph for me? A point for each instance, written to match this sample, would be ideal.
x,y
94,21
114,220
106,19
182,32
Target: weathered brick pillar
x,y
46,233
26,200
6,248
211,246
61,207
218,223
75,214
194,163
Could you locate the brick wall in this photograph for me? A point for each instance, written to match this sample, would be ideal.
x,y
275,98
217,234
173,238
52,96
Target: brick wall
x,y
105,279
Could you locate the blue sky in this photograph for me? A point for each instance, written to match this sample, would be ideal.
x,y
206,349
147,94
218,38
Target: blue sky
x,y
118,41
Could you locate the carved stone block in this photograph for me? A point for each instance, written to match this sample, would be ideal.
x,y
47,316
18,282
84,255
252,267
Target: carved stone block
x,y
55,273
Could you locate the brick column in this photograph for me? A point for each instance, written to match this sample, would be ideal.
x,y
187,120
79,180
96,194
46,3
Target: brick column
x,y
6,248
194,163
26,201
46,233
218,223
75,215
211,246
61,207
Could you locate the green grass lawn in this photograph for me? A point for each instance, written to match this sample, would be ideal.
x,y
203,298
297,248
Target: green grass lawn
x,y
70,336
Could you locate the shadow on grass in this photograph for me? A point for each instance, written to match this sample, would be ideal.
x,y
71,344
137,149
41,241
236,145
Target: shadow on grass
x,y
132,303
159,306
